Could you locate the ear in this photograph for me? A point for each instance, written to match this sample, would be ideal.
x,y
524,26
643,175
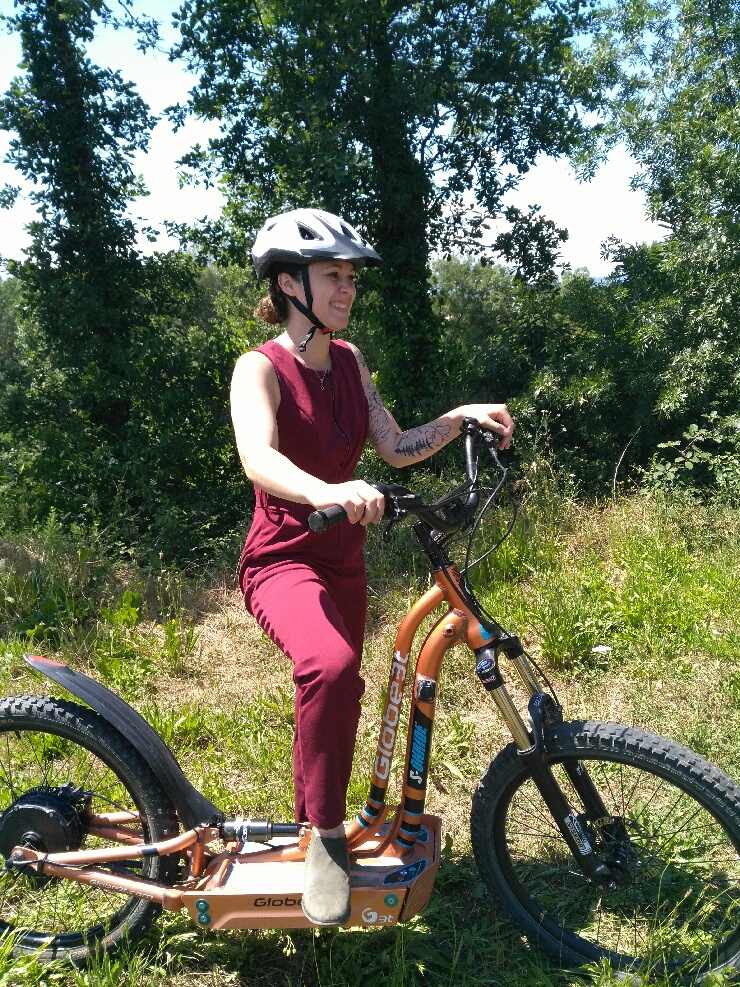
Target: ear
x,y
288,285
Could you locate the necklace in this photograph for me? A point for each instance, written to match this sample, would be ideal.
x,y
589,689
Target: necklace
x,y
321,374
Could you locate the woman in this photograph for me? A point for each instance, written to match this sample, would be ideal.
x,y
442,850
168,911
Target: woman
x,y
303,407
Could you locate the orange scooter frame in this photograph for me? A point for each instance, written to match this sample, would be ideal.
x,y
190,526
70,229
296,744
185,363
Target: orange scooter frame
x,y
394,854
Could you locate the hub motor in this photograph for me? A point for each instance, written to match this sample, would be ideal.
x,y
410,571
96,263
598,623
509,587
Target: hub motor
x,y
44,819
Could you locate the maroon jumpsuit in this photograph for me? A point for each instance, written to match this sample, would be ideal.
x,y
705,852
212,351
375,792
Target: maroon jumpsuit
x,y
308,590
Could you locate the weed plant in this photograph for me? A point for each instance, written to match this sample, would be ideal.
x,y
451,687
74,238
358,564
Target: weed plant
x,y
629,607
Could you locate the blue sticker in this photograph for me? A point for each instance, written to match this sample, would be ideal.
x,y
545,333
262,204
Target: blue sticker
x,y
391,900
204,918
201,905
486,634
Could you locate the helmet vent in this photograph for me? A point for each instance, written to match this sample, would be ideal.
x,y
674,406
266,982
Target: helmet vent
x,y
304,236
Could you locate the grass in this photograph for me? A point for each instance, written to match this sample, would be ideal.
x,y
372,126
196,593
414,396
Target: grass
x,y
631,608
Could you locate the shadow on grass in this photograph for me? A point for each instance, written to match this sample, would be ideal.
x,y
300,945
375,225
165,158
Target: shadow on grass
x,y
460,939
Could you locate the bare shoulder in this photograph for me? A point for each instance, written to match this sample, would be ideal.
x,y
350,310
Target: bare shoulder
x,y
361,363
252,362
254,373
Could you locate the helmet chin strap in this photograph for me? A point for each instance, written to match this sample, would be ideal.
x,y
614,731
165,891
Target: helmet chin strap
x,y
307,310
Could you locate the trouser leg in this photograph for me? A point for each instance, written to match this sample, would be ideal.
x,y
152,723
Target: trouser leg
x,y
320,628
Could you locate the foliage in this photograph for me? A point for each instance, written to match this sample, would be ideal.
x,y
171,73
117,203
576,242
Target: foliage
x,y
646,591
60,591
675,104
8,322
114,410
584,376
46,578
563,355
707,460
393,115
168,478
114,368
632,609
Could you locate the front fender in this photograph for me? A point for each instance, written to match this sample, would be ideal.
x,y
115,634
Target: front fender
x,y
193,808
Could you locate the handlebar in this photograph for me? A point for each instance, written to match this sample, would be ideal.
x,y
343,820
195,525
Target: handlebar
x,y
392,492
399,502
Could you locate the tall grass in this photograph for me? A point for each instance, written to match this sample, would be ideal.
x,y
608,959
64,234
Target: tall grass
x,y
629,607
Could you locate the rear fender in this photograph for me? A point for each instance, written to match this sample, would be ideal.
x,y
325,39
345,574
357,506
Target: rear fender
x,y
193,808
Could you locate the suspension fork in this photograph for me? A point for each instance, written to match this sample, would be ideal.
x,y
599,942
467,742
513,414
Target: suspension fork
x,y
531,748
576,770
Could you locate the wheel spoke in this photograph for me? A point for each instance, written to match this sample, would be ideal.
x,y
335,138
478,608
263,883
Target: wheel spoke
x,y
56,759
678,903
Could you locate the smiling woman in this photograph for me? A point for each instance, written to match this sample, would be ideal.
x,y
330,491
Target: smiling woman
x,y
303,406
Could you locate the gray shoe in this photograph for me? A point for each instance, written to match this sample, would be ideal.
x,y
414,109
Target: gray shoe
x,y
326,892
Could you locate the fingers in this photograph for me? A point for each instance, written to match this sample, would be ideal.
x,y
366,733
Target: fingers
x,y
362,503
370,505
503,423
496,417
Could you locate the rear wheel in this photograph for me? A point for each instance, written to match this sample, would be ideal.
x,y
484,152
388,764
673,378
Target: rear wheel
x,y
671,831
59,762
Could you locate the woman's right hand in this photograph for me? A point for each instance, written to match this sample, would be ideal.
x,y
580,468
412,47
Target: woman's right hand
x,y
362,503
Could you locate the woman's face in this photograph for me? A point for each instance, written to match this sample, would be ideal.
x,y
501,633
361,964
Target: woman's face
x,y
333,287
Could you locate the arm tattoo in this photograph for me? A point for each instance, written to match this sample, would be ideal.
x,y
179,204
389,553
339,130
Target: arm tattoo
x,y
416,443
381,425
424,439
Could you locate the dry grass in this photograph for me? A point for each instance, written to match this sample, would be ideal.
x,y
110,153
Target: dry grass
x,y
233,661
674,689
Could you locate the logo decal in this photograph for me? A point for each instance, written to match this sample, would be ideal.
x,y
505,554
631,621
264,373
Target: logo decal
x,y
391,715
276,902
578,833
421,737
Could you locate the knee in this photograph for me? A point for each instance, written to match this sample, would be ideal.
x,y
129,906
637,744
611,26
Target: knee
x,y
335,673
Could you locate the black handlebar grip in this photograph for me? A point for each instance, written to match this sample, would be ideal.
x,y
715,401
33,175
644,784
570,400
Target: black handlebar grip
x,y
321,520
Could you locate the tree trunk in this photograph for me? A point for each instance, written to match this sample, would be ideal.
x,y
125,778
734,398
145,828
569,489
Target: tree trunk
x,y
410,351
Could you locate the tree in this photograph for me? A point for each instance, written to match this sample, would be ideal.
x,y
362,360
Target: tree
x,y
76,127
8,323
413,120
116,412
676,106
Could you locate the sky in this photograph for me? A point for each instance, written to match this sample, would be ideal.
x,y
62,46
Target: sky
x,y
590,212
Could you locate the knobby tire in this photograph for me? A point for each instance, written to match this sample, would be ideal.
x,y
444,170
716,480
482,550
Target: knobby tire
x,y
48,748
678,911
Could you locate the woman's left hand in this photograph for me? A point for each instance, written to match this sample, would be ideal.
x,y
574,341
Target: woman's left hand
x,y
496,417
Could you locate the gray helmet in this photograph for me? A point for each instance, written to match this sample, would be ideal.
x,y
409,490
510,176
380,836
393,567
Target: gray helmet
x,y
306,235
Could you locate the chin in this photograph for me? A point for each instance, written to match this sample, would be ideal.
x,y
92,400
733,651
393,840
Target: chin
x,y
337,326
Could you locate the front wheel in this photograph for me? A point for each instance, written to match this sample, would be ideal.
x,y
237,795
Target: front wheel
x,y
60,763
671,830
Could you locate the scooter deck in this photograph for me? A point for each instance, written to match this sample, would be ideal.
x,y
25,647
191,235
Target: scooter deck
x,y
254,894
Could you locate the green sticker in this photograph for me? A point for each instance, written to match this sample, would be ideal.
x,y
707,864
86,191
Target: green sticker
x,y
391,900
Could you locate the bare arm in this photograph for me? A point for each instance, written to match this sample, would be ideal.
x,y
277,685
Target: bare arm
x,y
255,399
401,448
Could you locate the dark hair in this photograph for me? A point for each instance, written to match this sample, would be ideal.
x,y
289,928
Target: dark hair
x,y
273,307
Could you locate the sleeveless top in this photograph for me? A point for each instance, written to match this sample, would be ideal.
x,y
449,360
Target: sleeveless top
x,y
322,428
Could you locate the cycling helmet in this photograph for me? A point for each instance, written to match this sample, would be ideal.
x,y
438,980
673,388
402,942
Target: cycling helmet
x,y
302,236
305,235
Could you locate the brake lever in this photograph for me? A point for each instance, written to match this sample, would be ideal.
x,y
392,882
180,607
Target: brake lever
x,y
388,530
491,441
395,495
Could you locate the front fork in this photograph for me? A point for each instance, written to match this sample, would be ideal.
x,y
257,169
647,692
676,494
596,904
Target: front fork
x,y
531,744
